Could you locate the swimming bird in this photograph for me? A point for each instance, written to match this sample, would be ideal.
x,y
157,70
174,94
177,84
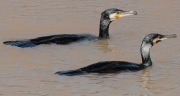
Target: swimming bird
x,y
119,66
107,17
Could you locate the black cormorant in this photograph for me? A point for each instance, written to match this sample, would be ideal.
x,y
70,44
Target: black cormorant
x,y
107,17
118,66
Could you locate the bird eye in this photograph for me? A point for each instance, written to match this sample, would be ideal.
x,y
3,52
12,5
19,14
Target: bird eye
x,y
118,12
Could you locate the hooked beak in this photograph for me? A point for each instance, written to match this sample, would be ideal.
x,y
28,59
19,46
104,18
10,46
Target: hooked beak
x,y
164,37
120,14
168,36
128,13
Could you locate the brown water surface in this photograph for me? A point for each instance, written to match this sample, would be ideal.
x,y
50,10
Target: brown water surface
x,y
30,71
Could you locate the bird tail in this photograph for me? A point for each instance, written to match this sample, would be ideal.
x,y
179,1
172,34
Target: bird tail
x,y
71,72
21,43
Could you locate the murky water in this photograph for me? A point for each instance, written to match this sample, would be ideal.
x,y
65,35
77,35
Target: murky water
x,y
30,71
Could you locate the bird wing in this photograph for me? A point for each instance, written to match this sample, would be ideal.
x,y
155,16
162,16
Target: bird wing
x,y
58,39
111,66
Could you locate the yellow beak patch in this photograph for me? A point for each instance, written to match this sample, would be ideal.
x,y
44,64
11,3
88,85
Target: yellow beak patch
x,y
156,40
117,16
114,16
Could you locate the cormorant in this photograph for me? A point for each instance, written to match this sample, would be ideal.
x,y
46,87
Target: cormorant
x,y
107,17
119,66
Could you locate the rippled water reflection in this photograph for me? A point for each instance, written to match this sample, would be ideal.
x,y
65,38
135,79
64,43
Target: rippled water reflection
x,y
30,72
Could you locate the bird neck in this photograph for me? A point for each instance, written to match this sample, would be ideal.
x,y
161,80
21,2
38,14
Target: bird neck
x,y
104,28
145,54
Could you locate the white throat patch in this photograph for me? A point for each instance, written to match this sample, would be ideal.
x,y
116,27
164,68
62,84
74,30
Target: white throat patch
x,y
145,50
113,16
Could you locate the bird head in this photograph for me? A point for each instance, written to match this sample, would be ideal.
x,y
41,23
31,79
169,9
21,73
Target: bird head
x,y
113,14
154,38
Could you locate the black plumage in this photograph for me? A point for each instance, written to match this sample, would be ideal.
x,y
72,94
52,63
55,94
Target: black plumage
x,y
119,66
106,18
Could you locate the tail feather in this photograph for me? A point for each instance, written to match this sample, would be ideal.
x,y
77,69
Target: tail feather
x,y
22,44
71,72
